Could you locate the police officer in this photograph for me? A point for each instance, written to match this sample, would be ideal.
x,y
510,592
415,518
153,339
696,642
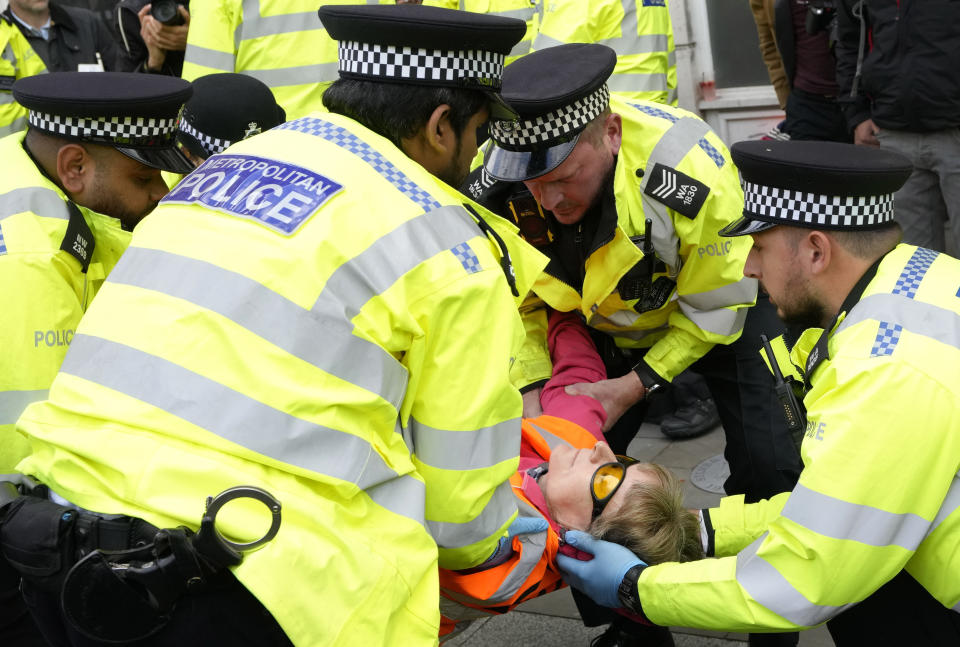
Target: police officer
x,y
315,334
278,42
88,164
879,363
17,60
626,199
224,109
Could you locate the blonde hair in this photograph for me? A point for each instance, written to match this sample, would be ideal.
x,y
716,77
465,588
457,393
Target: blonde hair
x,y
653,522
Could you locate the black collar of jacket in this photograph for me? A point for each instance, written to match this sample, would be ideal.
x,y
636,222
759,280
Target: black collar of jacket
x,y
59,17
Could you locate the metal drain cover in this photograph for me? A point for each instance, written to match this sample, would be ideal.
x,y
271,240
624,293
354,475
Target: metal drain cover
x,y
710,474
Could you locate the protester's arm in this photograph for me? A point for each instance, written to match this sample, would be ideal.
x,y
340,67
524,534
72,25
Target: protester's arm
x,y
856,109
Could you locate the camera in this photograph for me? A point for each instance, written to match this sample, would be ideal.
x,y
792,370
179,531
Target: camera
x,y
167,12
821,15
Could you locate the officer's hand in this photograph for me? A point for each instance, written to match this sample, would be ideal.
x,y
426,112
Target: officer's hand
x,y
599,577
615,395
526,526
519,526
531,403
865,134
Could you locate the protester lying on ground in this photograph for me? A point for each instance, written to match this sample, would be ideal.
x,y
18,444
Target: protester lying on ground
x,y
568,476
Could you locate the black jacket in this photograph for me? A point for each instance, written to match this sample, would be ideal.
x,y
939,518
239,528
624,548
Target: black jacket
x,y
77,36
128,26
911,67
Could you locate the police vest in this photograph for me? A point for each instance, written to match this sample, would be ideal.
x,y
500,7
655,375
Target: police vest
x,y
639,31
880,490
54,256
334,328
525,10
279,42
17,60
675,171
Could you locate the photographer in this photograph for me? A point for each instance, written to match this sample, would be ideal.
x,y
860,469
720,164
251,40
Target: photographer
x,y
796,42
154,34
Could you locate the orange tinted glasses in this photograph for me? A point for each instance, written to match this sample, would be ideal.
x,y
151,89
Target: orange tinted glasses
x,y
606,481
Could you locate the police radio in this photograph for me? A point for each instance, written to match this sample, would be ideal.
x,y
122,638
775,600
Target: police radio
x,y
792,410
529,217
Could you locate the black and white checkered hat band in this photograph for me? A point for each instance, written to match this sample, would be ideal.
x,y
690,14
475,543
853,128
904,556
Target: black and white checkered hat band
x,y
120,130
425,65
209,143
812,209
553,126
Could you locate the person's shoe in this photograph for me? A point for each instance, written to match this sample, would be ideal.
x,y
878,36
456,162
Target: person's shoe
x,y
635,635
693,418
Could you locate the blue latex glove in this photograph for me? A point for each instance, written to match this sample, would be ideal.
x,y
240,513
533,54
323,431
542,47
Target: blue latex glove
x,y
599,577
519,526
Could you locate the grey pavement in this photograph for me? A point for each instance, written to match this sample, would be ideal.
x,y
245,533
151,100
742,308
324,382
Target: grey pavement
x,y
553,620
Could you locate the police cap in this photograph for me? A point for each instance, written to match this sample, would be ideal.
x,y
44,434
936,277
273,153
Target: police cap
x,y
820,185
556,92
134,113
224,109
414,44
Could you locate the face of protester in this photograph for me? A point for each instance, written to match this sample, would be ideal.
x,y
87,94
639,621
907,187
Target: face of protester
x,y
576,184
566,486
774,261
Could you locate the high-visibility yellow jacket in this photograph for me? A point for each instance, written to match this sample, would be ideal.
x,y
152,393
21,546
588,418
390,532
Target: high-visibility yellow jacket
x,y
525,10
279,42
17,60
879,491
319,333
46,286
673,169
639,31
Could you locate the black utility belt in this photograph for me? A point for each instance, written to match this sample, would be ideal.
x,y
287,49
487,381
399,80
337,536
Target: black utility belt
x,y
97,565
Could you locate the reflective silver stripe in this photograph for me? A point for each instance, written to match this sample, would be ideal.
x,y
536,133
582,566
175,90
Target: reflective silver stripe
x,y
838,519
916,317
956,607
673,146
533,546
256,25
767,586
672,96
466,450
227,413
41,201
327,343
9,56
301,75
626,333
631,42
521,48
5,98
951,503
12,403
499,508
722,321
210,58
14,126
637,82
553,441
743,291
380,265
404,496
